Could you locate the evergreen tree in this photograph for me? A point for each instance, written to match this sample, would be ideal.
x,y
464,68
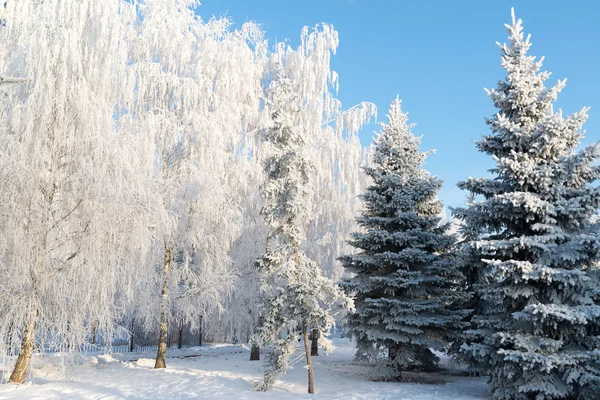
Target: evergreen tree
x,y
403,280
538,332
295,295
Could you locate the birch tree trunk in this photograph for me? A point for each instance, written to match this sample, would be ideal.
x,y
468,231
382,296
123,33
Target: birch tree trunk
x,y
314,349
28,341
311,374
22,366
161,353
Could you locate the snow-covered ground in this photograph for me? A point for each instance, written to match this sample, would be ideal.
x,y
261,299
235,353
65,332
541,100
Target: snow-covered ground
x,y
224,372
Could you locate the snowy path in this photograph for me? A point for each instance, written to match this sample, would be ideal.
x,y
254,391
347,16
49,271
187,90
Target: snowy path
x,y
224,372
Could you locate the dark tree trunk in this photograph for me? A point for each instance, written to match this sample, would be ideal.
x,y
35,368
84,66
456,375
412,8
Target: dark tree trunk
x,y
200,333
94,335
314,349
392,352
180,336
311,374
255,352
131,338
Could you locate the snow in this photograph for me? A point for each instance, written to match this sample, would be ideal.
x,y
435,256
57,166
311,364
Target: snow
x,y
224,372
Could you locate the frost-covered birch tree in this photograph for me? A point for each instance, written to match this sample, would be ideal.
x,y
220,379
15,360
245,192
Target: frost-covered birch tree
x,y
538,336
233,119
183,91
71,198
403,282
330,146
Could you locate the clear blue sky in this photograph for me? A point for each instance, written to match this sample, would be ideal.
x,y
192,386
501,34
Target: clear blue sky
x,y
438,55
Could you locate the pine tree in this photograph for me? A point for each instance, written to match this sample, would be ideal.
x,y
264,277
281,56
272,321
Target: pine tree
x,y
538,333
295,295
403,280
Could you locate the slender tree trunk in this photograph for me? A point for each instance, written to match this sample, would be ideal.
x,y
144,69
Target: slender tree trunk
x,y
161,353
22,366
255,352
94,335
132,337
200,332
180,336
314,349
9,347
28,341
311,374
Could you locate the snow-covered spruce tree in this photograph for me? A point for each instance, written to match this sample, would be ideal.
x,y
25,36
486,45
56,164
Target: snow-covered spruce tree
x,y
538,336
402,279
295,295
333,148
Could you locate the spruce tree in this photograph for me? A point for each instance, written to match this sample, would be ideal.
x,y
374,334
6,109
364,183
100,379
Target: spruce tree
x,y
402,276
538,331
295,296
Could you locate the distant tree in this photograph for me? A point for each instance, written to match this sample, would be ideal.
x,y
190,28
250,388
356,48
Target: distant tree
x,y
402,279
538,334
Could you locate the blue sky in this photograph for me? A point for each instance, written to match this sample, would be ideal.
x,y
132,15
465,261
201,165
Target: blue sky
x,y
438,55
